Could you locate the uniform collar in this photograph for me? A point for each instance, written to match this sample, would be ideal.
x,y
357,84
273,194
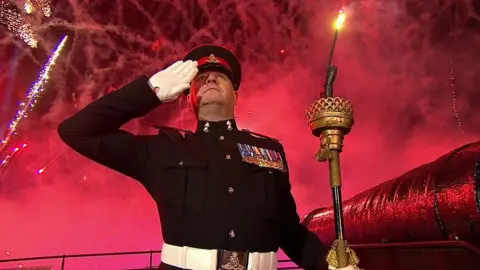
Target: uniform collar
x,y
211,126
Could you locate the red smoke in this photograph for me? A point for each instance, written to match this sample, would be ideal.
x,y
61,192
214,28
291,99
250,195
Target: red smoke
x,y
396,62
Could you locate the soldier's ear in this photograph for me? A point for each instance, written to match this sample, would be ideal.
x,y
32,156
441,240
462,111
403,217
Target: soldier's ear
x,y
191,104
189,101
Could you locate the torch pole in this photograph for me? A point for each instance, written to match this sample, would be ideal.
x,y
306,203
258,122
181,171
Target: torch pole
x,y
330,119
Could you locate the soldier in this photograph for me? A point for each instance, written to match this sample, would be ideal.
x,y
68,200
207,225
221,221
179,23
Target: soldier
x,y
223,194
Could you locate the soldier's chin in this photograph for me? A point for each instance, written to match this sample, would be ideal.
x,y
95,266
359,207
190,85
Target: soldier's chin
x,y
211,101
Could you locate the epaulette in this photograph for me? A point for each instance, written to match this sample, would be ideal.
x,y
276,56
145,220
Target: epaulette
x,y
168,129
258,135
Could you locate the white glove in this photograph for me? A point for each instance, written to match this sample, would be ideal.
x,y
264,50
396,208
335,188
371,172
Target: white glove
x,y
350,267
169,83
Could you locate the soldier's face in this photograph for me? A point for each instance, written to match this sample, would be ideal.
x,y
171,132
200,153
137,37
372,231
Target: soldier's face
x,y
212,87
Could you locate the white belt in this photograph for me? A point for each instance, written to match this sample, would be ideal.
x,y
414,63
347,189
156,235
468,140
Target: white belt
x,y
206,259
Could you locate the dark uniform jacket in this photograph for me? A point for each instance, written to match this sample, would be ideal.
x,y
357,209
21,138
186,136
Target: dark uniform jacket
x,y
206,195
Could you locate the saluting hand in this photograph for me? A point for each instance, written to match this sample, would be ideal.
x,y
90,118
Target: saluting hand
x,y
169,83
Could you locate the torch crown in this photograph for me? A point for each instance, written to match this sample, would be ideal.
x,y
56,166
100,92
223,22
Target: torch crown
x,y
330,113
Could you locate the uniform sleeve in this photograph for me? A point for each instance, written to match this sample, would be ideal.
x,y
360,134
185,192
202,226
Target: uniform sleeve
x,y
303,247
95,132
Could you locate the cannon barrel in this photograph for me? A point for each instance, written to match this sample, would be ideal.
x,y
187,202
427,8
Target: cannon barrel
x,y
437,201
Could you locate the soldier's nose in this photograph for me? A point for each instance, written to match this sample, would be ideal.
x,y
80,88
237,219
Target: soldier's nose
x,y
211,79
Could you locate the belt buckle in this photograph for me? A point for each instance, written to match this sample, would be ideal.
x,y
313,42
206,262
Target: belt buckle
x,y
232,260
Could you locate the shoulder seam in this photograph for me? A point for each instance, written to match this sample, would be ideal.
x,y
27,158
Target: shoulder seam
x,y
174,128
260,135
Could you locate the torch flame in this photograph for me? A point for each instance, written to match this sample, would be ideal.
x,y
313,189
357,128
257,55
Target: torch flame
x,y
340,19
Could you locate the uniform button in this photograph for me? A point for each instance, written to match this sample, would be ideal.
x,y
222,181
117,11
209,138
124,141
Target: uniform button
x,y
180,163
270,172
230,190
231,233
228,157
221,138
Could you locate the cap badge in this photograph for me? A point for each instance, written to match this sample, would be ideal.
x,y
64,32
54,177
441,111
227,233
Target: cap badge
x,y
212,59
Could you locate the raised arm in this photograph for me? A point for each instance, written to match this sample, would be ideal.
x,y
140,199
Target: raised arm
x,y
95,132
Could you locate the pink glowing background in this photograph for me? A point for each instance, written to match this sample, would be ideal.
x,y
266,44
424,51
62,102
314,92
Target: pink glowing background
x,y
409,67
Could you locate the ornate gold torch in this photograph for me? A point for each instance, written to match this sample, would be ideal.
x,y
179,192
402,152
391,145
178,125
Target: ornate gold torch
x,y
330,119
